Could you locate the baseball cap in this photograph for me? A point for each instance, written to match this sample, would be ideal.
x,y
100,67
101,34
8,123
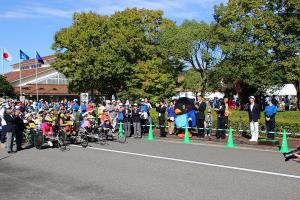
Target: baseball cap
x,y
251,97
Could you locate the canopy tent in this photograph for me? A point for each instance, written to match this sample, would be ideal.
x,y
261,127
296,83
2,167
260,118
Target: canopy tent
x,y
219,95
287,89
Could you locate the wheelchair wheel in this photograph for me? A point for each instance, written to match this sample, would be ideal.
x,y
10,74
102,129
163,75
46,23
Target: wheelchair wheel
x,y
62,144
102,138
84,141
38,140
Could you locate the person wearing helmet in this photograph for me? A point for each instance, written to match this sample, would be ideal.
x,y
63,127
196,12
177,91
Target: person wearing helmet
x,y
66,121
47,130
30,126
104,116
106,126
270,112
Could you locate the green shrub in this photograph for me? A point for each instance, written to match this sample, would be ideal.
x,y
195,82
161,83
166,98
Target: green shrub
x,y
290,121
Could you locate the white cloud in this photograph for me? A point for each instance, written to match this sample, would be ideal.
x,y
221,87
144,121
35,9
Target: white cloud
x,y
176,9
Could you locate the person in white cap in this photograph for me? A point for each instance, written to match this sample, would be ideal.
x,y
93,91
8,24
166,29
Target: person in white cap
x,y
254,116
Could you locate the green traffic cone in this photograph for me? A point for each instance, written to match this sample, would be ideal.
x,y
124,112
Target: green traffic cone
x,y
121,132
284,144
230,143
186,139
150,133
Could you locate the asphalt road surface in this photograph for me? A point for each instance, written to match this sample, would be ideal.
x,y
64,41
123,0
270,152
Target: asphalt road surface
x,y
142,169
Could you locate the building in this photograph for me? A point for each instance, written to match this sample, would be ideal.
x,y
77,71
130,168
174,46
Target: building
x,y
39,80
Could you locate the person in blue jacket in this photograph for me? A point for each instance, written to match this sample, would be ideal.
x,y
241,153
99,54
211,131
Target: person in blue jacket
x,y
270,113
171,117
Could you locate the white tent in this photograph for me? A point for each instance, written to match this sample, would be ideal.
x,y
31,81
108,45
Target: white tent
x,y
219,95
287,89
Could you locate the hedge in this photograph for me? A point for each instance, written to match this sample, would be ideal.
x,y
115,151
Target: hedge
x,y
288,120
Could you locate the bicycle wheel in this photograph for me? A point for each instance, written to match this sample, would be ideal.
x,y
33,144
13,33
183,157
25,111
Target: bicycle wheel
x,y
38,140
102,138
84,141
62,141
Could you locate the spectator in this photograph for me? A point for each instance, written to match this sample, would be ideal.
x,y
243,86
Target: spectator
x,y
9,129
254,116
19,129
200,108
3,123
144,116
161,109
171,118
208,124
221,121
287,103
127,120
136,120
270,112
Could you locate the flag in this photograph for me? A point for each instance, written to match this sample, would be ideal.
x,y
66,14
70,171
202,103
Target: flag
x,y
39,59
6,56
23,55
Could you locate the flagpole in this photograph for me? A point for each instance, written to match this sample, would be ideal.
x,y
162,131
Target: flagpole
x,y
20,78
36,86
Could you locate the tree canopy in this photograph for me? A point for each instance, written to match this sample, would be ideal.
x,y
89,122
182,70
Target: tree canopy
x,y
260,41
6,89
107,53
192,44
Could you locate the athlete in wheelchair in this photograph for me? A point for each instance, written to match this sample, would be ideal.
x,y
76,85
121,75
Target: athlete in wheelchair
x,y
47,130
106,128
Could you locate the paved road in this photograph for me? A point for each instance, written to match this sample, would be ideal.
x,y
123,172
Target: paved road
x,y
143,169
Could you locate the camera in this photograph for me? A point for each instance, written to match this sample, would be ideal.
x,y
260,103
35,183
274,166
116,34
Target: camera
x,y
290,155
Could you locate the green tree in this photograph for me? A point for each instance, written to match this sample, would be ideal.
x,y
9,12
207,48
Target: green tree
x,y
192,81
192,44
104,52
6,89
260,40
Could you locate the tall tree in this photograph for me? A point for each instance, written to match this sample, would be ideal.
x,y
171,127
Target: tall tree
x,y
261,41
192,81
104,52
192,44
6,89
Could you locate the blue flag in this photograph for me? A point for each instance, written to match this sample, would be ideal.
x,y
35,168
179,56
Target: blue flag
x,y
39,59
23,55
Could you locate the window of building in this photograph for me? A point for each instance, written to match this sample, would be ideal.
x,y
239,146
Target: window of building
x,y
58,79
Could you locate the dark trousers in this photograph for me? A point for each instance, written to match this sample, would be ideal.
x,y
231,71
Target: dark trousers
x,y
19,137
221,125
200,126
2,135
161,123
270,128
144,123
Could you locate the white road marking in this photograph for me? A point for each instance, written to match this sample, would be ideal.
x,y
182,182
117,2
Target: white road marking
x,y
195,162
215,145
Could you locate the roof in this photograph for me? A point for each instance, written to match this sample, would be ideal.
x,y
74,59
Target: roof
x,y
33,61
15,75
44,89
287,89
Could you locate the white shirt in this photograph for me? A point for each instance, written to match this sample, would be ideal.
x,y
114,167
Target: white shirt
x,y
251,106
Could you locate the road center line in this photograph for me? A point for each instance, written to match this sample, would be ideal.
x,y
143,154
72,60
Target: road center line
x,y
195,162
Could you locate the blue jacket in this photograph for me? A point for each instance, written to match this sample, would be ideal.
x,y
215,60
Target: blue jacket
x,y
171,111
75,107
270,111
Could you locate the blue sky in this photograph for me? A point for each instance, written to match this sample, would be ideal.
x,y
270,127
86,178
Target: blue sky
x,y
30,25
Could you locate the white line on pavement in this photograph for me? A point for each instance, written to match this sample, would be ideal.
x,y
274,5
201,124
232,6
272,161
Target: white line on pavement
x,y
215,145
196,162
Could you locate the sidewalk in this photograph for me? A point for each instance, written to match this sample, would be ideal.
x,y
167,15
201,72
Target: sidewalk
x,y
238,140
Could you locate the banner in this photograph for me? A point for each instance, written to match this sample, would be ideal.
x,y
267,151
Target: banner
x,y
84,97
